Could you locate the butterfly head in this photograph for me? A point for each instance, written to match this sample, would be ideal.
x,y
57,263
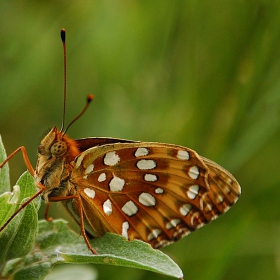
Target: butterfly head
x,y
55,151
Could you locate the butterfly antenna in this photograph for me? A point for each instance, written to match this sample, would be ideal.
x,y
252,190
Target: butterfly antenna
x,y
63,39
89,99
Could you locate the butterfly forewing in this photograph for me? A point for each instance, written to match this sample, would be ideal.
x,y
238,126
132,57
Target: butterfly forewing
x,y
150,191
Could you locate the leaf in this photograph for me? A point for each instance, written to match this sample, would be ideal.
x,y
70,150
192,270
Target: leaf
x,y
8,202
19,235
73,272
4,171
17,238
55,243
28,188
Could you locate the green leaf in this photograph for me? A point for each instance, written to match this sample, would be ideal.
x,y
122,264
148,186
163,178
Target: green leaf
x,y
55,243
17,239
11,201
73,272
8,199
115,250
18,236
28,188
4,171
8,202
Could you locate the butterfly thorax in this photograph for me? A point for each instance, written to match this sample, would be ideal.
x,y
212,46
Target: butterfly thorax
x,y
53,169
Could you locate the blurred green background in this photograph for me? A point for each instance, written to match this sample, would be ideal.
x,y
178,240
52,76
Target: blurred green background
x,y
203,74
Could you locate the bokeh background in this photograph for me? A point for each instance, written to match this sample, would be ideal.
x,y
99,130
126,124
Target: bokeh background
x,y
203,74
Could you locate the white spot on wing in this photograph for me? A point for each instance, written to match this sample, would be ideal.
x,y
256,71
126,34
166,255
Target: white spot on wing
x,y
162,243
89,169
116,184
227,189
89,192
107,207
145,164
187,232
154,234
147,199
140,152
229,181
200,225
226,209
102,177
215,217
181,232
125,228
173,223
185,209
158,190
208,207
193,191
79,160
130,208
219,199
111,158
150,178
194,172
184,155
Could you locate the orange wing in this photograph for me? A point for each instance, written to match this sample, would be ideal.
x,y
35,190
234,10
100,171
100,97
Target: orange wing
x,y
154,192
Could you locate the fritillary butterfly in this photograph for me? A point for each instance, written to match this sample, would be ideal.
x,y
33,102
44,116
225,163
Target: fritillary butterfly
x,y
154,192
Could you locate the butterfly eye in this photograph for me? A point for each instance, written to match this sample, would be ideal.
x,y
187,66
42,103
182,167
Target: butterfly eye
x,y
59,148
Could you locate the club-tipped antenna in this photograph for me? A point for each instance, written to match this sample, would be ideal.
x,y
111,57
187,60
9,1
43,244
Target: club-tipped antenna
x,y
89,99
63,39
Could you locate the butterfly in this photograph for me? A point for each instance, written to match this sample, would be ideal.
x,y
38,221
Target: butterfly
x,y
154,192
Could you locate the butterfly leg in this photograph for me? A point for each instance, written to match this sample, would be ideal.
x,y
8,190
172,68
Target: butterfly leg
x,y
25,159
82,226
47,218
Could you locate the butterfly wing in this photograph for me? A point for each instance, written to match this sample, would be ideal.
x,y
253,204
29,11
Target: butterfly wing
x,y
154,192
225,190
